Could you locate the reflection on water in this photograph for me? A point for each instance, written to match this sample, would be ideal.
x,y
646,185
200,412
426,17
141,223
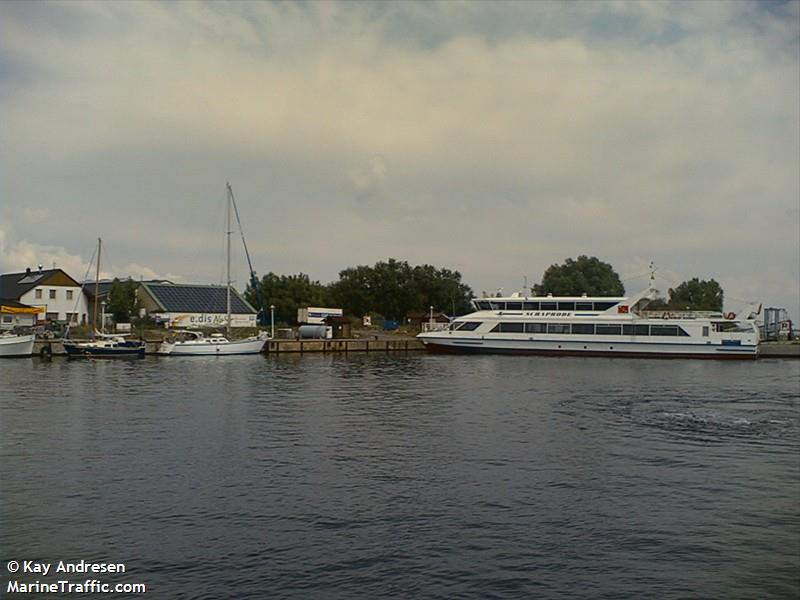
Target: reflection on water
x,y
413,475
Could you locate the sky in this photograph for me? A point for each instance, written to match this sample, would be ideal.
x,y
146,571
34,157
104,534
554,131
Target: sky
x,y
491,138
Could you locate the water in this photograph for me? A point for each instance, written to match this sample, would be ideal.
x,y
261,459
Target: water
x,y
407,476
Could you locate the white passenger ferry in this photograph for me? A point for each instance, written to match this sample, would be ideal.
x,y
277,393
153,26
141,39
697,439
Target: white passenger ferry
x,y
595,326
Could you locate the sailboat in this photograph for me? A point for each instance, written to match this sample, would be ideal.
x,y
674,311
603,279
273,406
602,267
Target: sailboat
x,y
189,342
103,345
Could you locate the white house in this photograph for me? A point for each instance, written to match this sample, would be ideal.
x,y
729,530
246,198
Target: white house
x,y
56,294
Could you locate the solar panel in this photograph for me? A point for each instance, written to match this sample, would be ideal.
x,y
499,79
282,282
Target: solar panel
x,y
198,299
31,278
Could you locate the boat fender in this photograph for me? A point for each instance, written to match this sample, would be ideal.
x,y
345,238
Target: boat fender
x,y
46,351
730,316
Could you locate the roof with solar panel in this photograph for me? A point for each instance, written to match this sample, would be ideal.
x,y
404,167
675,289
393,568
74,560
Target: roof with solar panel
x,y
186,298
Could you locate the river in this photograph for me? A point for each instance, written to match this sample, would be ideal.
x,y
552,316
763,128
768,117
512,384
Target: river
x,y
406,475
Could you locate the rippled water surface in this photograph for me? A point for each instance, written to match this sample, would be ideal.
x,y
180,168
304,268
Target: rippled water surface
x,y
376,476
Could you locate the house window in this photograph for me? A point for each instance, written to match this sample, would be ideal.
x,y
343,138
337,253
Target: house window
x,y
38,294
6,318
52,294
72,318
53,316
69,294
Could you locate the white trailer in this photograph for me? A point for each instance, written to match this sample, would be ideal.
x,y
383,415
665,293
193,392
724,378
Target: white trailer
x,y
315,315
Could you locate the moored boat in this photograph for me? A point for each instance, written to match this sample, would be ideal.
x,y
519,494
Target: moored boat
x,y
105,346
13,345
195,343
595,326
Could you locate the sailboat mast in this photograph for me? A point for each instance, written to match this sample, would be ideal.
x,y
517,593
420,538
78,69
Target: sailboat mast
x,y
228,267
97,283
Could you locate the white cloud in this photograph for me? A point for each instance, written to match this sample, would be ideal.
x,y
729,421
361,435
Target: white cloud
x,y
492,139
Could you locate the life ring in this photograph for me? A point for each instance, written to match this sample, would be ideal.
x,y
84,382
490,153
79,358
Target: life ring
x,y
730,316
46,351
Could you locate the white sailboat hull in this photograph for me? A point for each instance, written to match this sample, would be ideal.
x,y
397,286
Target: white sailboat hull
x,y
16,345
211,347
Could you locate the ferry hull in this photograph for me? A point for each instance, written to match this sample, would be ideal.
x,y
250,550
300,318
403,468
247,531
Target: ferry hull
x,y
621,350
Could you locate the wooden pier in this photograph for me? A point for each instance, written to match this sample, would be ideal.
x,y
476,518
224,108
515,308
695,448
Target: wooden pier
x,y
46,348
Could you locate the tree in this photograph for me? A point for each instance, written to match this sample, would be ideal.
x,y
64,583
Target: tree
x,y
288,293
122,301
394,288
696,294
585,275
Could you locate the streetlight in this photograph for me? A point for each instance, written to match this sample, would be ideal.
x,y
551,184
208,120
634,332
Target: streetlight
x,y
272,320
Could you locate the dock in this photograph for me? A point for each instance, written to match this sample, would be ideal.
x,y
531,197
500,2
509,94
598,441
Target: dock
x,y
778,350
400,344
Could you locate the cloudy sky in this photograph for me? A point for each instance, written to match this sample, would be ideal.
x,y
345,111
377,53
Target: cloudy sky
x,y
491,138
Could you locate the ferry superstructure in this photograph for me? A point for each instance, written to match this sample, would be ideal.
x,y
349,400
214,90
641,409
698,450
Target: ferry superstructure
x,y
595,326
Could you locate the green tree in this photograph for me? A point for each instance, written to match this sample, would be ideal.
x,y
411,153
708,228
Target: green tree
x,y
696,294
587,275
122,301
288,293
394,288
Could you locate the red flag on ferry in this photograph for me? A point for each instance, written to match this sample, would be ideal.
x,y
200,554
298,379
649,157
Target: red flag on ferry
x,y
622,308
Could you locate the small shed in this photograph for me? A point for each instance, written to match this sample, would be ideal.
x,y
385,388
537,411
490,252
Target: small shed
x,y
416,319
342,328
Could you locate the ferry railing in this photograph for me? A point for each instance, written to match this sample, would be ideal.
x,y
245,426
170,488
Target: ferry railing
x,y
681,314
429,327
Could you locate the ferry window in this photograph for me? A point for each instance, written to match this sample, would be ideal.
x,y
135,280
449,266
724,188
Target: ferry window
x,y
535,327
469,326
6,318
705,330
627,330
549,306
604,305
530,306
514,306
682,332
498,305
641,329
558,328
566,306
671,330
583,306
584,328
509,327
608,329
484,306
